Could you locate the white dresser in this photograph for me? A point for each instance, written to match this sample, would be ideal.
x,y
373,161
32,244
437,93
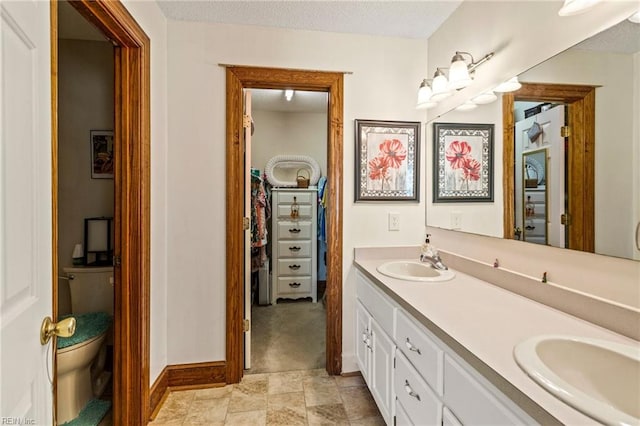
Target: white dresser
x,y
294,253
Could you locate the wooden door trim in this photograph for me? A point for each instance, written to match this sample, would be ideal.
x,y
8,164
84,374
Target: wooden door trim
x,y
132,204
581,160
238,78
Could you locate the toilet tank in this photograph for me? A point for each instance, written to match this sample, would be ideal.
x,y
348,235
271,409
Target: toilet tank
x,y
91,289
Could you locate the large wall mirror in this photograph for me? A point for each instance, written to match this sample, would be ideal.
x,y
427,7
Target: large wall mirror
x,y
545,168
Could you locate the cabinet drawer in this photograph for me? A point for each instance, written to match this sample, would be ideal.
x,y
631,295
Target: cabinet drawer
x,y
421,350
402,418
302,197
448,419
294,267
420,403
472,401
294,230
284,210
294,249
377,304
294,285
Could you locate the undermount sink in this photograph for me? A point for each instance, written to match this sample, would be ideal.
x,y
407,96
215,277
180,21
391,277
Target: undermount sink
x,y
598,378
414,271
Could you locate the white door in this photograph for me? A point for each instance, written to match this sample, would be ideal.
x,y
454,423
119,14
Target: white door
x,y
247,233
25,211
551,122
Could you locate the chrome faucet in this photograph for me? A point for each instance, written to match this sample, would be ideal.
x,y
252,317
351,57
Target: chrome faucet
x,y
434,261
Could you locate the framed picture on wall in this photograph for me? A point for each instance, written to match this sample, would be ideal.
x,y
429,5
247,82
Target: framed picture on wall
x,y
462,162
101,154
387,160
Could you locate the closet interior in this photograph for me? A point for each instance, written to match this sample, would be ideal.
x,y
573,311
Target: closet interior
x,y
288,159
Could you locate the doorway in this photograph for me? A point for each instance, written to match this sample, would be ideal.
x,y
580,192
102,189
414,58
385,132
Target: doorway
x,y
131,213
239,78
580,160
285,288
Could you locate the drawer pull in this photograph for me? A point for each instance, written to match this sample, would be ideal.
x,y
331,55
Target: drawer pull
x,y
410,346
294,230
294,248
294,267
294,285
409,390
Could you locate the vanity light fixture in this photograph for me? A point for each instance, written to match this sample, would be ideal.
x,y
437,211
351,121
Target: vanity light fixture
x,y
439,86
484,98
288,94
635,18
424,96
508,86
575,7
467,106
460,73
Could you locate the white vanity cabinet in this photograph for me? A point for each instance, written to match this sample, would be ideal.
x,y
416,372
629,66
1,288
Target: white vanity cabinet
x,y
429,383
374,346
294,248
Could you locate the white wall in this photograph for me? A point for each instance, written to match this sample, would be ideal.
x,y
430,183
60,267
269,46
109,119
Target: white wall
x,y
150,18
85,103
289,133
386,73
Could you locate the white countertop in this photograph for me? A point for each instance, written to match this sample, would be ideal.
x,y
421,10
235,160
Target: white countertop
x,y
489,321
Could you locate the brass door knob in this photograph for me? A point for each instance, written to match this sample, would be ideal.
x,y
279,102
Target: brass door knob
x,y
64,328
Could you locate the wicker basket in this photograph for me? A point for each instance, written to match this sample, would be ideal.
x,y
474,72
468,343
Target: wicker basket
x,y
301,179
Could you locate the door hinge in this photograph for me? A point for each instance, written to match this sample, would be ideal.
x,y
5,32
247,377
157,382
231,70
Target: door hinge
x,y
246,325
246,223
246,121
117,261
565,219
565,131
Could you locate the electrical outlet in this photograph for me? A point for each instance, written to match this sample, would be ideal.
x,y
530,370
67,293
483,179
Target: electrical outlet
x,y
394,221
456,220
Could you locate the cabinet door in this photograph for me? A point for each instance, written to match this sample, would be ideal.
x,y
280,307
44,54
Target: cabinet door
x,y
382,350
363,340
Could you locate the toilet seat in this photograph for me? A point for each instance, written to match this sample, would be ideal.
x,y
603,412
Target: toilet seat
x,y
89,326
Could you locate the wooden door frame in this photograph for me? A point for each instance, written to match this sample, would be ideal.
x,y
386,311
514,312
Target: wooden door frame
x,y
239,78
132,201
581,158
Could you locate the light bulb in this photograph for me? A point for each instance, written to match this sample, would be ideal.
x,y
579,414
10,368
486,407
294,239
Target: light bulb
x,y
485,98
439,86
458,73
508,86
575,7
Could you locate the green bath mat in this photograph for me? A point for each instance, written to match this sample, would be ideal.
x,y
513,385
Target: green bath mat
x,y
91,414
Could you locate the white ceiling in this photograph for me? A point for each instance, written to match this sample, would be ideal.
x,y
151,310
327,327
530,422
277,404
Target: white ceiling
x,y
393,18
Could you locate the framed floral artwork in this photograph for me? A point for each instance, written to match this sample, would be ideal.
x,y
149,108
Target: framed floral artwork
x,y
462,162
387,160
101,154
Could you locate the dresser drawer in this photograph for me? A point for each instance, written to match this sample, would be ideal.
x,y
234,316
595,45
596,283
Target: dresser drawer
x,y
306,197
284,210
402,418
294,285
294,249
420,349
294,267
294,230
420,403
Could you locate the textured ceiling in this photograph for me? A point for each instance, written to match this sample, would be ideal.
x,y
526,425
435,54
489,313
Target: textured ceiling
x,y
621,38
409,19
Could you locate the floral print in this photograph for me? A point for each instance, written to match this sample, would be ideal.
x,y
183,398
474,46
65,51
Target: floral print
x,y
391,155
458,154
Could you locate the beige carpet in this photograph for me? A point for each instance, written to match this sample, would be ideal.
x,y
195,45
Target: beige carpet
x,y
287,336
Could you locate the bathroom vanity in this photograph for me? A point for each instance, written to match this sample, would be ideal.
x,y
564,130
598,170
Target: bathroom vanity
x,y
294,229
442,352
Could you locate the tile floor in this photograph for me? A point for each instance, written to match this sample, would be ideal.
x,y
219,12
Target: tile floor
x,y
308,397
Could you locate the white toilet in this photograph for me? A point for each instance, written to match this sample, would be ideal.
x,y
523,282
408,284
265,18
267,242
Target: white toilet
x,y
81,357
